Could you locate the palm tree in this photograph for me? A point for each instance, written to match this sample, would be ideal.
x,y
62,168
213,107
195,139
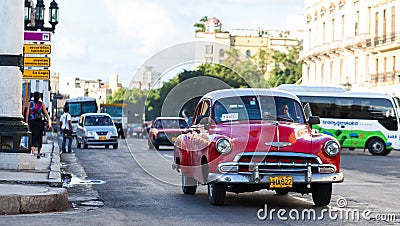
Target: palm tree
x,y
201,26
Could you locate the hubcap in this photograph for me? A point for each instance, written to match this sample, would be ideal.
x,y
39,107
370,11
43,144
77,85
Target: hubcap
x,y
377,147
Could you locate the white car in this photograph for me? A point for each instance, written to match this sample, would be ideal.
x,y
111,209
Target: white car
x,y
96,129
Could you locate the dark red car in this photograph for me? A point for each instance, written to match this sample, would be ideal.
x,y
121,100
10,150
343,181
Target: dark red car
x,y
241,141
165,130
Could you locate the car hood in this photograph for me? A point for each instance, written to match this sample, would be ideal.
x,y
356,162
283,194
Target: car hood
x,y
268,136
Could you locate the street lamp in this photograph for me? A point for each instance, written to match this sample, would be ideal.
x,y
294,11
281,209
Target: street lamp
x,y
39,16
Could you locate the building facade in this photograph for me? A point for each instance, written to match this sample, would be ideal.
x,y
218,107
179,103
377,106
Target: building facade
x,y
355,43
249,42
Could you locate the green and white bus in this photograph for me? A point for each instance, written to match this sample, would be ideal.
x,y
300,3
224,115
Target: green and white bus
x,y
356,119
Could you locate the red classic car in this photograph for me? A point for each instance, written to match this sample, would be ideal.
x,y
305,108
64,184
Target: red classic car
x,y
241,141
165,130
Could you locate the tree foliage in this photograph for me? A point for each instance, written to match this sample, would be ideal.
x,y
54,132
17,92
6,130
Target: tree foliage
x,y
201,25
286,69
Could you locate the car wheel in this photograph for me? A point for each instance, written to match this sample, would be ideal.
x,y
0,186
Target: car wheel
x,y
282,191
115,146
151,146
78,145
85,146
106,146
156,146
216,193
377,147
321,194
189,185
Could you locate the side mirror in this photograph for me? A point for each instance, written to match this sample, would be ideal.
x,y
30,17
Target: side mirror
x,y
313,120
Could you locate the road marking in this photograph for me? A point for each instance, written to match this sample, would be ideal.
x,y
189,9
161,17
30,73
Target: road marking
x,y
168,156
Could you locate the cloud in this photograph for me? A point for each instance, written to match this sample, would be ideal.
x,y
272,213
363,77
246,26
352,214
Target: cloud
x,y
146,23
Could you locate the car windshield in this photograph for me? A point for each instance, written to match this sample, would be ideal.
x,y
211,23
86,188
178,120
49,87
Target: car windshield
x,y
258,108
171,124
98,121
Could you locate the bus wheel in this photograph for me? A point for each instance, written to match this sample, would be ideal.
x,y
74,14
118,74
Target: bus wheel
x,y
377,147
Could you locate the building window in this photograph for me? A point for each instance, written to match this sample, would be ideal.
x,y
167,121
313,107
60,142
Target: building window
x,y
248,53
323,32
384,25
355,69
209,49
369,20
221,53
393,28
356,25
333,30
394,64
376,24
209,60
342,31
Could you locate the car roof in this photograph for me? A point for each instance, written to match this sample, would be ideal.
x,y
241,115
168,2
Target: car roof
x,y
219,94
96,114
170,117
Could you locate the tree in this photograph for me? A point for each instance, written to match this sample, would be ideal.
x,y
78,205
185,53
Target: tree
x,y
287,70
201,26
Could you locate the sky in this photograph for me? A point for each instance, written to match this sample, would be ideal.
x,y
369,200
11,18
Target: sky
x,y
98,38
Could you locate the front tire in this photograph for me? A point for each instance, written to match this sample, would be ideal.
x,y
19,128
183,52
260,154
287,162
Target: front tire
x,y
189,185
377,147
115,146
216,193
321,194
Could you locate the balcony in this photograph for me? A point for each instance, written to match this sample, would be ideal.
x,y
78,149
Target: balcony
x,y
386,78
383,43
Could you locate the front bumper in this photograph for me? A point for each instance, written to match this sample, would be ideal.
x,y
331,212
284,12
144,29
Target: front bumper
x,y
93,141
236,178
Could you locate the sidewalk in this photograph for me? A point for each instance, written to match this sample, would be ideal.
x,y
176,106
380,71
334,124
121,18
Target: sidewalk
x,y
34,190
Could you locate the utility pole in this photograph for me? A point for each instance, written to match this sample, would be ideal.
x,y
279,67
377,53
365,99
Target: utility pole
x,y
12,126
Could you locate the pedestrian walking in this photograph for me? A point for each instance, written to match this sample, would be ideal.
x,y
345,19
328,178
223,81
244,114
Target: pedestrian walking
x,y
35,117
66,129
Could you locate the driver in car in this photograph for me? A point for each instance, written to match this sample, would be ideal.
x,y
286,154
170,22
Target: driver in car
x,y
283,112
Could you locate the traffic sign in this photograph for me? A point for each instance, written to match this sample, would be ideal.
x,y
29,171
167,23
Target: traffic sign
x,y
36,61
37,36
36,74
37,49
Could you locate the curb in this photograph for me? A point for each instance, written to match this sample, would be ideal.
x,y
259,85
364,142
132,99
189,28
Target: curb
x,y
42,199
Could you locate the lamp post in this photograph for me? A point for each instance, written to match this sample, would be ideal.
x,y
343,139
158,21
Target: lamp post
x,y
38,22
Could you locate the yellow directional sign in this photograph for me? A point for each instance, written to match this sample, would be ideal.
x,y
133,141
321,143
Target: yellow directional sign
x,y
36,61
36,74
37,49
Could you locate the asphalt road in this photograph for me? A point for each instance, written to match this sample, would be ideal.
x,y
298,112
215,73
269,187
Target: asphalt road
x,y
133,185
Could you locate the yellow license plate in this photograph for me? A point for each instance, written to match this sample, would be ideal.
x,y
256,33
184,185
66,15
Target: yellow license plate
x,y
173,139
281,182
102,138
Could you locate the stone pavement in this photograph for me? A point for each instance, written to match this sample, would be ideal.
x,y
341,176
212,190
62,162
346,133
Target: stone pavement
x,y
37,185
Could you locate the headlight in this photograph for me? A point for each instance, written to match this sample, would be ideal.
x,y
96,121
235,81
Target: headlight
x,y
223,146
90,133
114,132
331,148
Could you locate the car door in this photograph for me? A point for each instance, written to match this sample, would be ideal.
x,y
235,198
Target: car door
x,y
80,130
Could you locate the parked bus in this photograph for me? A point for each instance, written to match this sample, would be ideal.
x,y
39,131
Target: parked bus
x,y
79,106
357,119
118,115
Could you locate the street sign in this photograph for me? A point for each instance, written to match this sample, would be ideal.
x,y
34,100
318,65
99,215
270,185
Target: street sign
x,y
36,61
37,36
36,74
37,49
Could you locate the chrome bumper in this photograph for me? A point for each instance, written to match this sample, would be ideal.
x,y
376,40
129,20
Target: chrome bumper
x,y
253,178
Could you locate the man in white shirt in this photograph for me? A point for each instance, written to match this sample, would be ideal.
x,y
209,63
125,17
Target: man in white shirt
x,y
66,129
